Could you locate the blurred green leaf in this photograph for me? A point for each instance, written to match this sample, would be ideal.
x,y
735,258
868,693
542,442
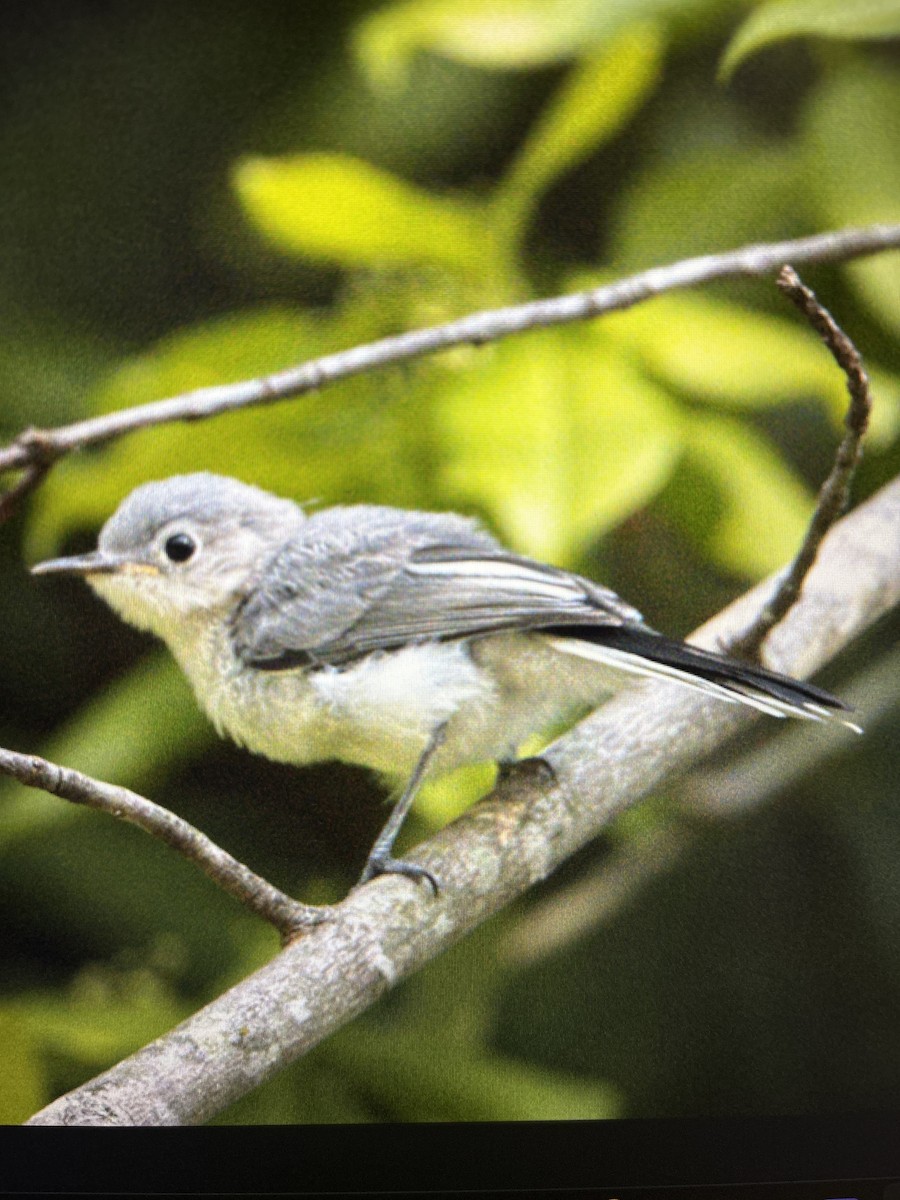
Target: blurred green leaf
x,y
727,355
781,19
334,208
24,1084
443,799
745,193
104,1015
132,734
45,372
415,1077
734,357
318,1091
595,102
506,34
736,498
852,161
556,440
498,34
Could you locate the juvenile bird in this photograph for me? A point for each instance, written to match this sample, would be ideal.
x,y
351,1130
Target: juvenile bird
x,y
408,642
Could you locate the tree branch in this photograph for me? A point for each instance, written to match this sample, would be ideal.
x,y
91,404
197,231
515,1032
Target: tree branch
x,y
287,915
500,848
36,448
835,491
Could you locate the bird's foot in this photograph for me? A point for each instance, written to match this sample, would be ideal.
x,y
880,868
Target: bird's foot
x,y
535,768
383,864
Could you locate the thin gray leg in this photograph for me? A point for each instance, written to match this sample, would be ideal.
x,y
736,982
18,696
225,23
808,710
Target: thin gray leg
x,y
380,861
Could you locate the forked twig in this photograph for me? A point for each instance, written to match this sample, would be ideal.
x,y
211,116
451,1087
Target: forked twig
x,y
288,916
833,494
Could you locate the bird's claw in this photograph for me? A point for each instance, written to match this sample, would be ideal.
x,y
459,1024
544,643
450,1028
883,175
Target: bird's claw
x,y
534,768
385,865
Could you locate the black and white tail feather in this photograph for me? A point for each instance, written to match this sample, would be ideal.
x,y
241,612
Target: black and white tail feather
x,y
642,651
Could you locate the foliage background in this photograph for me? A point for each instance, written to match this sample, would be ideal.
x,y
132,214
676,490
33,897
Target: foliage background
x,y
206,192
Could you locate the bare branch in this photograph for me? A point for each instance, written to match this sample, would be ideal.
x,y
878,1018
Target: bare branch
x,y
47,446
502,846
833,494
288,916
27,482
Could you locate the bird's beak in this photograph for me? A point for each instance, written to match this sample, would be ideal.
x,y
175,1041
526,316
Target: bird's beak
x,y
95,563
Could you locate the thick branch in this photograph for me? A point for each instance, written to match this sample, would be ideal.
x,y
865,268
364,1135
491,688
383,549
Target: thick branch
x,y
41,448
502,846
835,491
287,915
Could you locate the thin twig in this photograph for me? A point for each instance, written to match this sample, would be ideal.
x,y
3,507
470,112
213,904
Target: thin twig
x,y
288,916
833,494
495,852
27,482
476,329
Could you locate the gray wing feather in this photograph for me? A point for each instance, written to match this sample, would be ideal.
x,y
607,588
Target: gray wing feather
x,y
356,580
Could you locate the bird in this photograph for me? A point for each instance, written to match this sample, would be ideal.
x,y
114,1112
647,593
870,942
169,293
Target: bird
x,y
408,642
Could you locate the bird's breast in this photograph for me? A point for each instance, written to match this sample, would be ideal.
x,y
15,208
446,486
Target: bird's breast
x,y
378,711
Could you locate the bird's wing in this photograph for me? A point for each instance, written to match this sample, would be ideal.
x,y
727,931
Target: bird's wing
x,y
342,590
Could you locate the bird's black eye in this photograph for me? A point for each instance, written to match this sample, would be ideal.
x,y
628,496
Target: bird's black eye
x,y
179,547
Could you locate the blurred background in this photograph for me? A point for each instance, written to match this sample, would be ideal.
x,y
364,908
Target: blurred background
x,y
207,192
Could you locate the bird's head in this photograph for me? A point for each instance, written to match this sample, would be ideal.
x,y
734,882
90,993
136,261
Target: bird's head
x,y
181,547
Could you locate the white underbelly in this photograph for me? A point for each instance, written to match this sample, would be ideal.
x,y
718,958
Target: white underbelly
x,y
381,711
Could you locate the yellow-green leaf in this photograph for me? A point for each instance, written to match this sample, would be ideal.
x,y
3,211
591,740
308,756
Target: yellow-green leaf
x,y
104,1015
556,440
733,357
414,1077
782,19
23,1078
853,171
737,498
132,734
596,100
725,354
746,194
335,208
498,34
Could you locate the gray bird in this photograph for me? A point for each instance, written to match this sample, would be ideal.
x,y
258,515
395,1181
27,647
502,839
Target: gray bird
x,y
408,642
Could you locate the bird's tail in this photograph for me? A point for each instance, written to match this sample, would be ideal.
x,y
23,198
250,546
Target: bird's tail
x,y
642,651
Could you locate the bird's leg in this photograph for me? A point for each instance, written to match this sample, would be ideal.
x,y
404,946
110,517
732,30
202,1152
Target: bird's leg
x,y
380,861
506,765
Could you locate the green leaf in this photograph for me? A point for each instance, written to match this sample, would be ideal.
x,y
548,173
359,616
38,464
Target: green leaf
x,y
595,102
735,497
734,357
746,194
556,441
24,1088
497,34
132,734
782,19
507,34
335,208
728,355
852,159
415,1078
103,1016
